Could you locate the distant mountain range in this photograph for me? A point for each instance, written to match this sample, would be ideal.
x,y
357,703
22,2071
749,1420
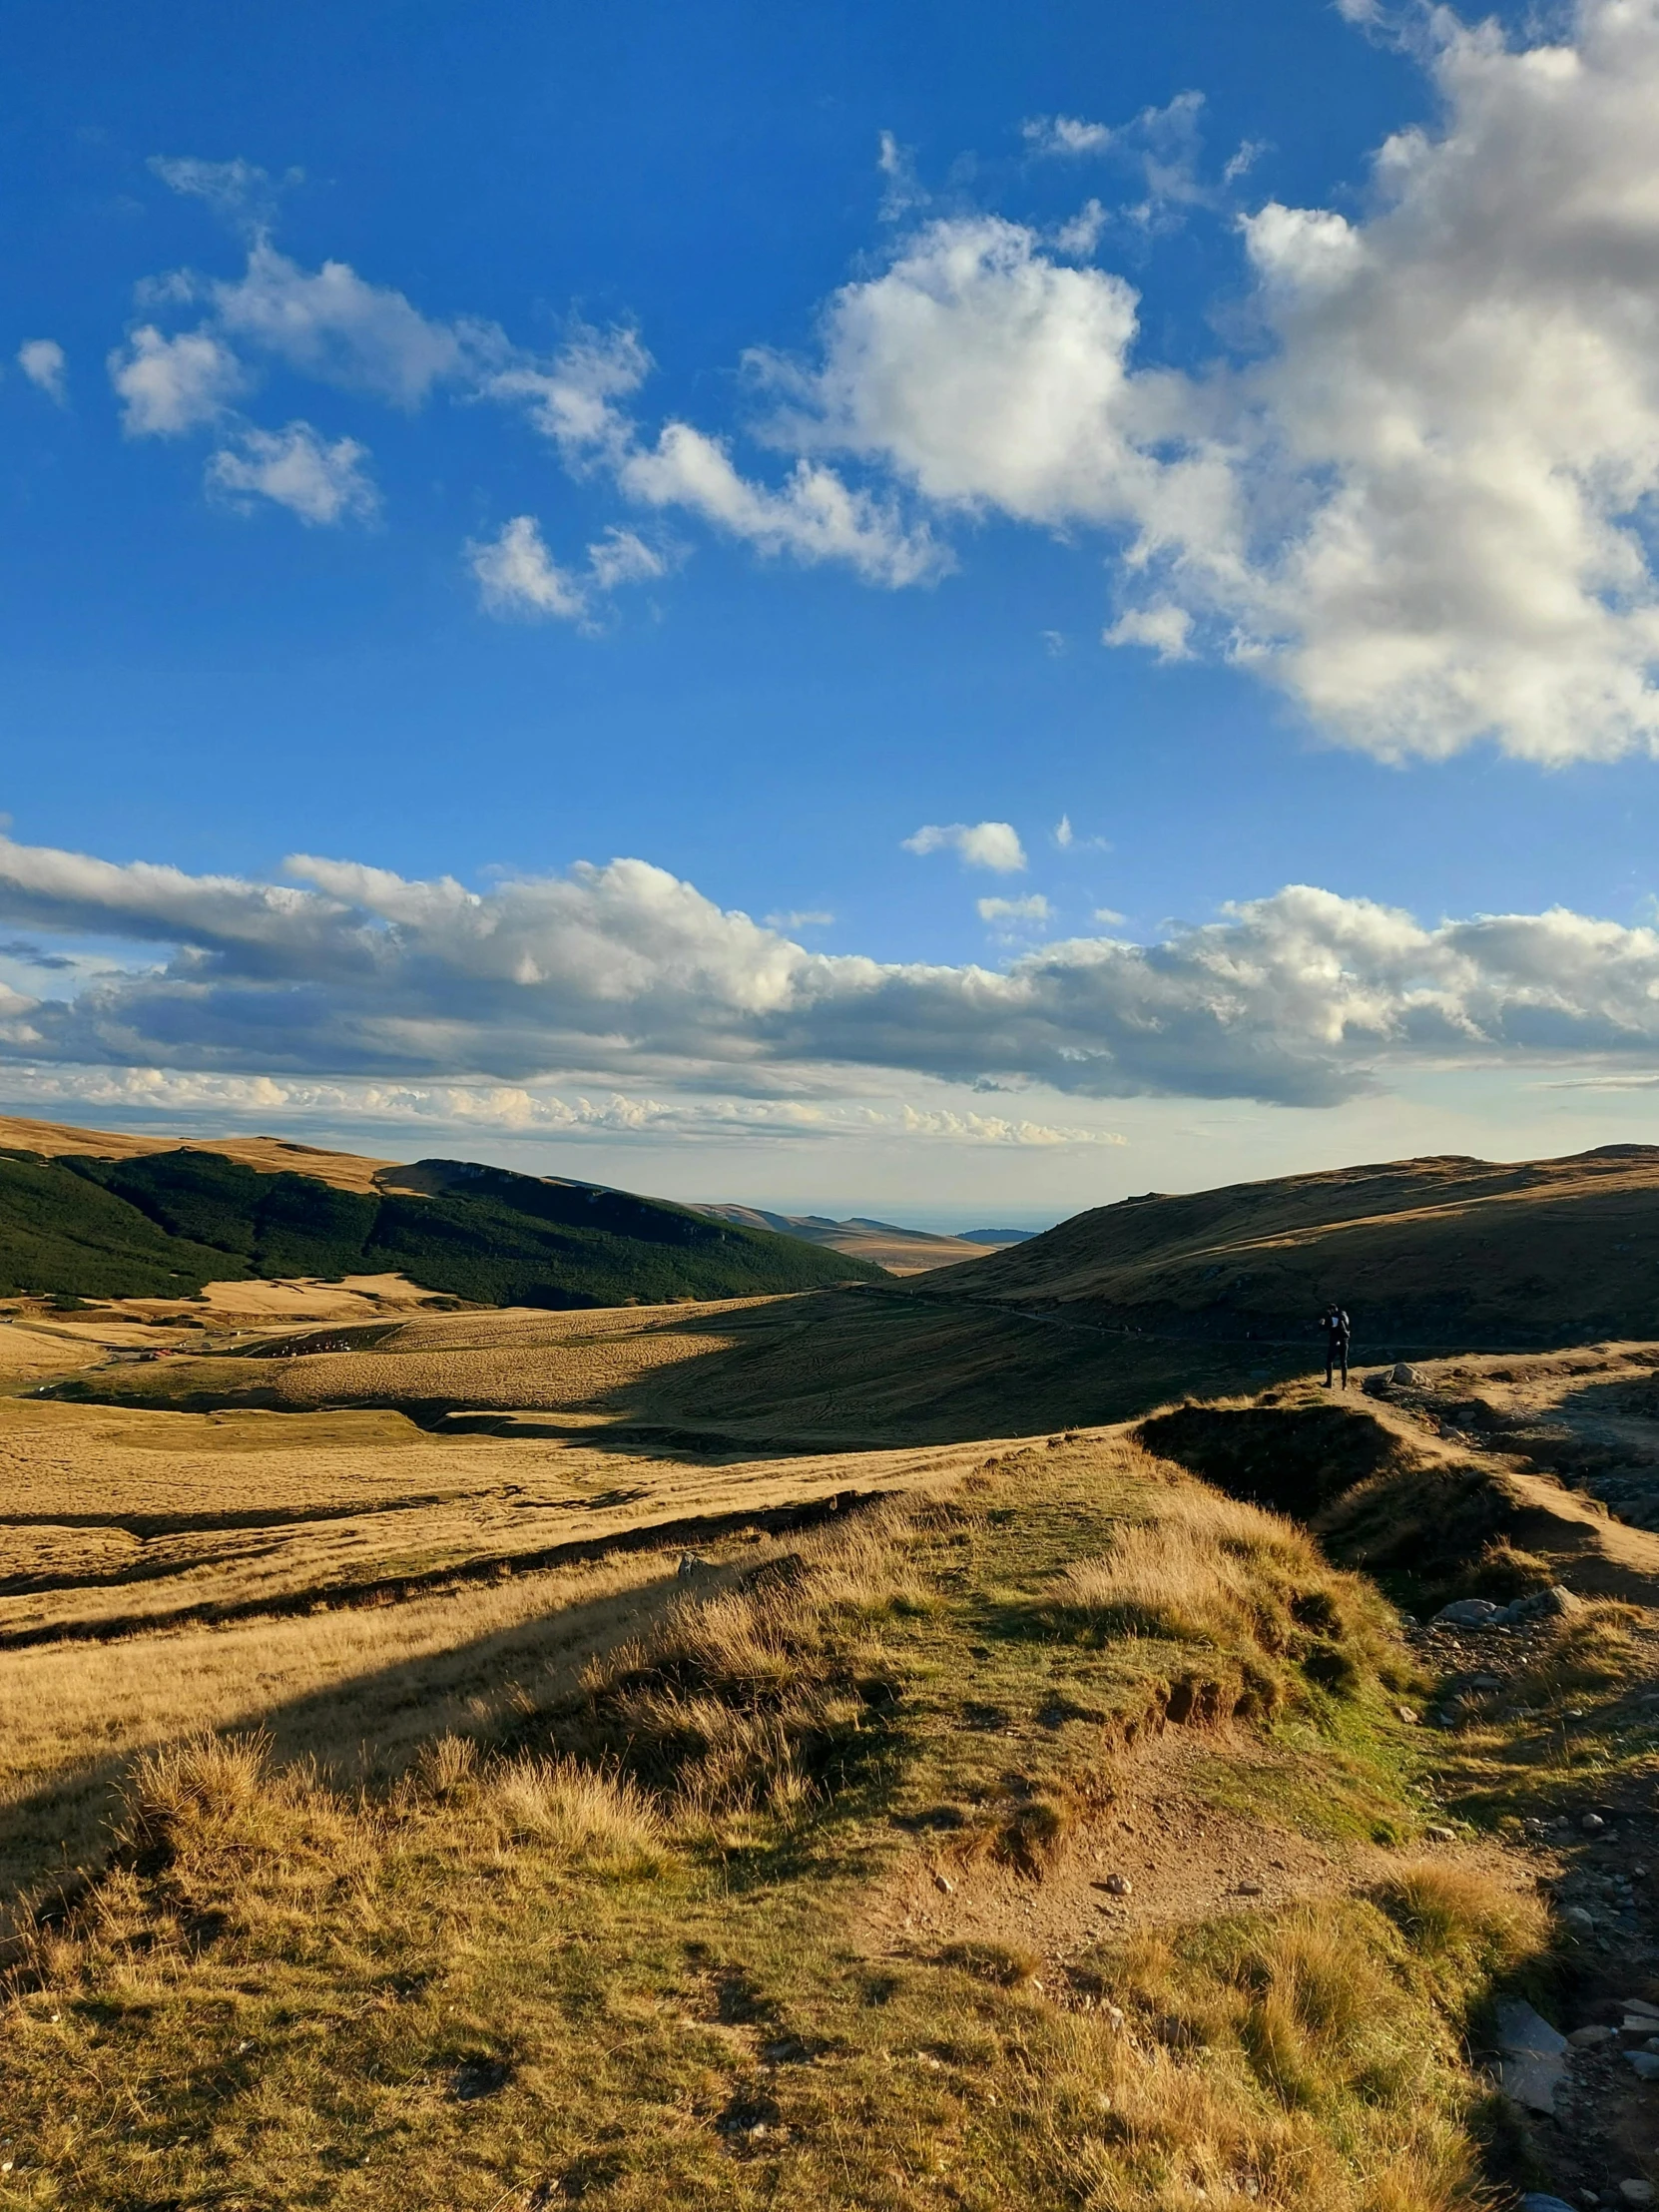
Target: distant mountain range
x,y
91,1215
900,1251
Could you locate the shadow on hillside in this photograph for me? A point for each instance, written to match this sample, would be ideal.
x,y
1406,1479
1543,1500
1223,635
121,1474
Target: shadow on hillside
x,y
867,1369
365,1728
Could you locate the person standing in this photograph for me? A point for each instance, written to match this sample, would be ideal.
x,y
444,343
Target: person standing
x,y
1335,1328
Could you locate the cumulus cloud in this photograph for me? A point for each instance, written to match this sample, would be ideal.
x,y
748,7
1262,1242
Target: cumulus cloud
x,y
992,845
236,190
518,576
42,361
298,469
1422,506
624,974
170,385
1014,911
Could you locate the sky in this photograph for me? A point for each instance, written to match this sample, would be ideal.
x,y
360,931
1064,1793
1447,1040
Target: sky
x,y
947,612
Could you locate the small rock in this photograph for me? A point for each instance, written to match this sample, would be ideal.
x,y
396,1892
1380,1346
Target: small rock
x,y
1588,2038
1402,1374
1636,2192
944,1883
1407,1714
1579,1920
1485,1682
1543,1605
1118,1885
1466,1612
1250,1889
1645,2065
1441,1834
1640,2004
1592,1824
693,1563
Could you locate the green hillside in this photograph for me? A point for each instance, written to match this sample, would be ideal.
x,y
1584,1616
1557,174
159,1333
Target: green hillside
x,y
165,1224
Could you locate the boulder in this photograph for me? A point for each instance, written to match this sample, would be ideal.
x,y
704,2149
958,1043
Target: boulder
x,y
1541,1605
1534,2056
1402,1374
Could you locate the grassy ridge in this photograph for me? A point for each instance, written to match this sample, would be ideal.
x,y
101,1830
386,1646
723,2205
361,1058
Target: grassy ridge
x,y
623,1956
165,1224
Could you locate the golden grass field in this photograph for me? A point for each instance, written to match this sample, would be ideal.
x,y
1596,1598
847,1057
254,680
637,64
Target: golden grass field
x,y
674,1757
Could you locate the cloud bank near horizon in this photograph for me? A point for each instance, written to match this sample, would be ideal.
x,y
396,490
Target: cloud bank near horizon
x,y
625,974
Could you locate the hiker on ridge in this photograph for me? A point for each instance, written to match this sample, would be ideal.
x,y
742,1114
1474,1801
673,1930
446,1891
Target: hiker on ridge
x,y
1334,1325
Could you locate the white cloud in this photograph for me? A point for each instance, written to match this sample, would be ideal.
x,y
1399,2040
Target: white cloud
x,y
185,1096
1065,134
1422,506
572,399
903,193
298,469
518,576
170,385
814,517
624,974
992,845
1162,627
235,188
1034,909
42,361
331,325
1080,234
800,919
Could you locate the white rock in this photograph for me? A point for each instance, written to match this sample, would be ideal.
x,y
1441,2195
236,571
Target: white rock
x,y
1587,2038
1636,2192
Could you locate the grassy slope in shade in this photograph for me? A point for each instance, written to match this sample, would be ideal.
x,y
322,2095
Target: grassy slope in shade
x,y
1422,1253
165,1224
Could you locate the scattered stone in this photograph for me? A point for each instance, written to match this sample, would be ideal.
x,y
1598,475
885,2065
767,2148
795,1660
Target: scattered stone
x,y
1588,2038
1577,1918
1640,2004
1543,1605
1118,1885
1404,1374
1645,2065
1407,1714
1534,2056
1466,1612
1441,1834
1485,1682
944,1883
1636,2192
1592,1824
1250,1889
693,1563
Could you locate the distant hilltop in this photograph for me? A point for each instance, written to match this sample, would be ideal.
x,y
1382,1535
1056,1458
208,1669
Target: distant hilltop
x,y
1444,1251
90,1214
900,1251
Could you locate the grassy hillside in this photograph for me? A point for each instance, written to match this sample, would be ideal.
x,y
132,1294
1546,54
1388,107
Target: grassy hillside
x,y
900,1251
1421,1253
801,1891
165,1223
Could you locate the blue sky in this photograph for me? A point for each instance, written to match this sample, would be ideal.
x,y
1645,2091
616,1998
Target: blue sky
x,y
463,445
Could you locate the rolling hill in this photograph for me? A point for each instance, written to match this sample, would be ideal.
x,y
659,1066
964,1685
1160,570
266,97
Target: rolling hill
x,y
1433,1252
900,1251
120,1218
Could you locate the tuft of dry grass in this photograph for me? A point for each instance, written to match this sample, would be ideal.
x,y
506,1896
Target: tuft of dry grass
x,y
1451,1911
1205,1569
1591,1650
761,1697
589,1818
